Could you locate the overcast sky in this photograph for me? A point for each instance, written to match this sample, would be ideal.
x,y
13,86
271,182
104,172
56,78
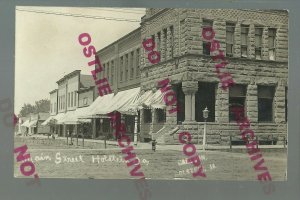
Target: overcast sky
x,y
47,47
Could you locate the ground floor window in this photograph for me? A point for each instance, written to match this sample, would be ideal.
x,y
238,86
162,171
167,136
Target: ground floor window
x,y
237,98
265,96
205,97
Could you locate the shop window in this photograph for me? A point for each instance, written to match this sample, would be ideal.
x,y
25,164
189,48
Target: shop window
x,y
161,115
237,98
265,95
244,40
258,42
271,41
147,116
205,97
229,38
206,45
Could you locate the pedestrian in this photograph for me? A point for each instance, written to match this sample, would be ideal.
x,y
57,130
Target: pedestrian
x,y
154,145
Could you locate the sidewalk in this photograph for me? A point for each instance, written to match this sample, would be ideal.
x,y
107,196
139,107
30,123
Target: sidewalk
x,y
176,147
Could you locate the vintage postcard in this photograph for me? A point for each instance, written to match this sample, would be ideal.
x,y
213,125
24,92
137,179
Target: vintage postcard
x,y
151,93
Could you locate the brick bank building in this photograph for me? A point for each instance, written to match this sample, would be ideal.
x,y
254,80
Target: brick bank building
x,y
255,44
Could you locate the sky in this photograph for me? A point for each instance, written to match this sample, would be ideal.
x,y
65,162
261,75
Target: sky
x,y
47,47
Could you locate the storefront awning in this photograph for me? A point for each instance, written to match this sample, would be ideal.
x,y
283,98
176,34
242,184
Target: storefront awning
x,y
123,101
47,121
26,123
33,123
59,117
72,117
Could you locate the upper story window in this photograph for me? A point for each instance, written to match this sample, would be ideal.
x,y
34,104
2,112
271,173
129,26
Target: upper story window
x,y
271,41
85,101
237,98
158,42
68,99
131,62
138,62
244,40
126,67
75,98
206,45
71,99
107,71
265,95
172,41
258,42
112,72
121,69
229,39
165,44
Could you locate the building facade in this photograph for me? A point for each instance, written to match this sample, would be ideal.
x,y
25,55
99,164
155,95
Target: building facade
x,y
255,44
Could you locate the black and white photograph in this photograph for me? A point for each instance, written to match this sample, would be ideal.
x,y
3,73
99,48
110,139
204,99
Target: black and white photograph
x,y
154,93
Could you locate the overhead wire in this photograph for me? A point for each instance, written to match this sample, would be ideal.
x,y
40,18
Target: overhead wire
x,y
78,15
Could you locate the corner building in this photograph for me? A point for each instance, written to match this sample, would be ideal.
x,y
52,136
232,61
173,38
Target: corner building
x,y
255,44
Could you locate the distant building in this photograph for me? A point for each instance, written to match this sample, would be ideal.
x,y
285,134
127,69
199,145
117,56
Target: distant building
x,y
64,102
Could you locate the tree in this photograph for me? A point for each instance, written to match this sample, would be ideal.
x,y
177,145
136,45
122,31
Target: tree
x,y
40,106
27,109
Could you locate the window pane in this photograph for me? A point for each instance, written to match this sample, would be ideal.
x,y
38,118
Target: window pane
x,y
265,91
229,49
235,102
258,41
265,110
258,53
238,91
244,51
